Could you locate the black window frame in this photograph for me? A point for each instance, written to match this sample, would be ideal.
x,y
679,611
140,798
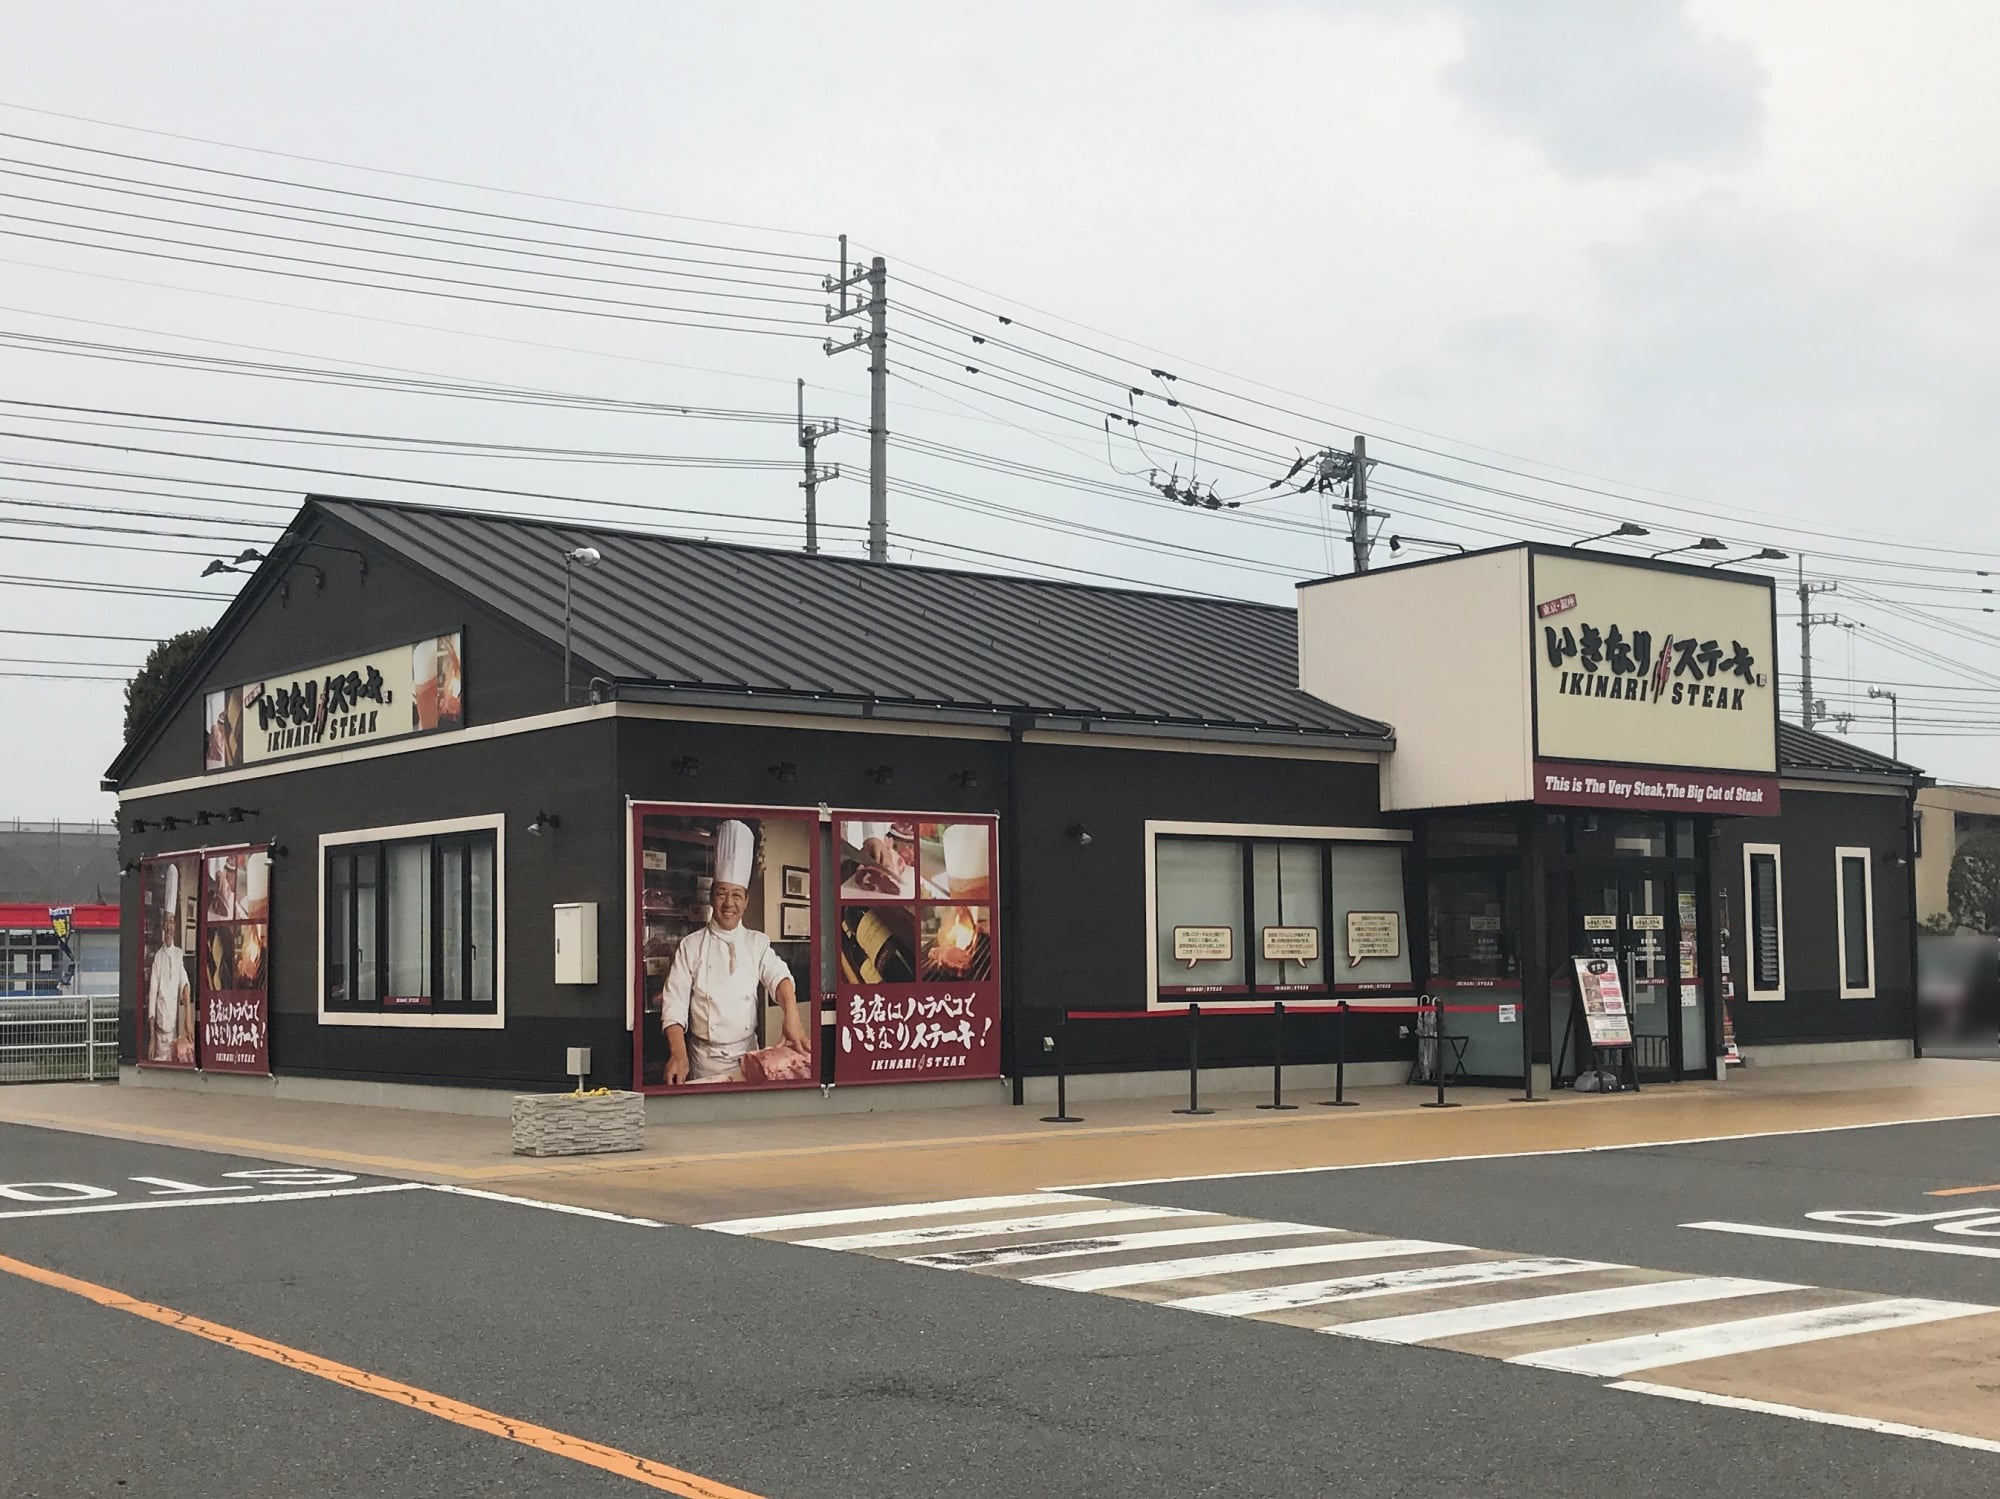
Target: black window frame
x,y
1757,984
468,842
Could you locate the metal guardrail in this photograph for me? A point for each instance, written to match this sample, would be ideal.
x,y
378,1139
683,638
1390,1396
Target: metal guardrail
x,y
70,1039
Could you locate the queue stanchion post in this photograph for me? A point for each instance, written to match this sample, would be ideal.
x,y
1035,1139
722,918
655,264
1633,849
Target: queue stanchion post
x,y
1060,1042
1437,1055
1277,1059
1194,1064
1340,1100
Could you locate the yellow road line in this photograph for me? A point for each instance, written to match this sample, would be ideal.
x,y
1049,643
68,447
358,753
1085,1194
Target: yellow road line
x,y
1962,1191
544,1439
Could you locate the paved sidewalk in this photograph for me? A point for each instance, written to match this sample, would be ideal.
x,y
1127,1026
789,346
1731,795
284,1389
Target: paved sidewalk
x,y
694,1172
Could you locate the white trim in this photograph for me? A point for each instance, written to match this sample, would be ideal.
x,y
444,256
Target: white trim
x,y
1751,992
1845,788
497,823
1154,828
828,723
1095,739
1867,858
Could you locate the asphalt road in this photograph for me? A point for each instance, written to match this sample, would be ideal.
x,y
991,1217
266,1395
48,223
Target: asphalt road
x,y
803,1374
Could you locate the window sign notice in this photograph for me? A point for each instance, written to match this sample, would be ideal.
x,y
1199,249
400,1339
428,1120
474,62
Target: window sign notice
x,y
1649,923
1203,944
1600,923
1603,1002
1291,944
1373,934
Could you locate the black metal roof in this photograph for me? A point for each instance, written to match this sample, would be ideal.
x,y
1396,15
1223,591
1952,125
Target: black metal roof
x,y
1802,750
713,617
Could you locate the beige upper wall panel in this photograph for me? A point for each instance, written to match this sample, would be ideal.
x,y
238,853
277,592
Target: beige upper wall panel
x,y
1439,651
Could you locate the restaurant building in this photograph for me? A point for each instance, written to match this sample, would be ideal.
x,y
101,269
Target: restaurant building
x,y
447,794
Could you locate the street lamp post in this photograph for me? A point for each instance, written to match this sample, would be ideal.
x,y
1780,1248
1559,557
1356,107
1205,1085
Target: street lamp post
x,y
1895,721
574,558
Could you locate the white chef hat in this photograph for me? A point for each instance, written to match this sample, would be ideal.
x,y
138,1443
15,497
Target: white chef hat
x,y
735,853
171,885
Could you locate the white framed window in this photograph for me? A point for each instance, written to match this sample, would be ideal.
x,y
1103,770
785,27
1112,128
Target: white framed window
x,y
1854,904
1763,921
412,925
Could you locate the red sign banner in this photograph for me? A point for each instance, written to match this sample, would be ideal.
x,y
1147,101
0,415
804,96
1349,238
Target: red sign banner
x,y
235,1027
918,992
1563,784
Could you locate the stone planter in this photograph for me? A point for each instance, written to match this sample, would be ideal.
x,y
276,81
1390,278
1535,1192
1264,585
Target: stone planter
x,y
564,1124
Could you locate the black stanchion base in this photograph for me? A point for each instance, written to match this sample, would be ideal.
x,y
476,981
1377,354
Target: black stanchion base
x,y
1277,1105
1194,1111
1338,1103
1540,1099
1434,1104
1062,1119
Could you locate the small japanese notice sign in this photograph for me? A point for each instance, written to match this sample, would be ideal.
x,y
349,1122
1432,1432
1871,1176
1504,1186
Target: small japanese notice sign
x,y
1291,944
1603,995
1373,934
1203,944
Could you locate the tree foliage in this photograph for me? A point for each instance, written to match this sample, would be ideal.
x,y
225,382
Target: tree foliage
x,y
1973,888
148,687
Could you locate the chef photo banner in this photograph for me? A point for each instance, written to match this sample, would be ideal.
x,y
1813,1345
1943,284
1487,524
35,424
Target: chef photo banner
x,y
917,984
726,954
169,936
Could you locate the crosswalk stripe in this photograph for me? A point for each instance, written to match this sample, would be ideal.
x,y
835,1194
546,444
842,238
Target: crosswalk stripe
x,y
1109,1277
1425,1327
1311,1293
1041,1222
890,1213
1622,1356
1057,1249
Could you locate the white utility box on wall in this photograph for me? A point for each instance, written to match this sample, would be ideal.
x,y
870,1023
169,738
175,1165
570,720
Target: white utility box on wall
x,y
576,943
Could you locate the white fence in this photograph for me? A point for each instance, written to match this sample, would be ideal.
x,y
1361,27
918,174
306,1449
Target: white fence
x,y
68,1039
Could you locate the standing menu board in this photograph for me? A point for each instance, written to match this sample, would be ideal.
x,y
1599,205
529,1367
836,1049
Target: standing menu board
x,y
1603,995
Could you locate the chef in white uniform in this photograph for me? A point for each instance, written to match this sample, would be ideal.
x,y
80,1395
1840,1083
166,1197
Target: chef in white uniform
x,y
710,1010
168,1001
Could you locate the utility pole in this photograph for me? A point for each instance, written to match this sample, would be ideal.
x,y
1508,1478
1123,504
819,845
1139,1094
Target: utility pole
x,y
1895,723
1809,712
876,340
809,436
1357,505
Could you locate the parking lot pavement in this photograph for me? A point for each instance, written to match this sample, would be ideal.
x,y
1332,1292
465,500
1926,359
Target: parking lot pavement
x,y
773,1368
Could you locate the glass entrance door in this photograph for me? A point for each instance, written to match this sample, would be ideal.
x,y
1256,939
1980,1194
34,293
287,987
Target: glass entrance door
x,y
1648,924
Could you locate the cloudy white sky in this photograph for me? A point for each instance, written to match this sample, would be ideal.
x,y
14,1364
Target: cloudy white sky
x,y
1720,268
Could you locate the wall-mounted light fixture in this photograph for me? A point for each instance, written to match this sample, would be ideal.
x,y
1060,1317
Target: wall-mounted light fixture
x,y
170,823
280,851
1625,528
785,770
544,822
1706,544
1078,834
966,780
136,825
687,765
237,814
882,775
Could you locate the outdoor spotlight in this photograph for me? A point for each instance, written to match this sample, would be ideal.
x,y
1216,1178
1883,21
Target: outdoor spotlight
x,y
136,825
785,770
687,765
882,775
1078,834
967,780
543,820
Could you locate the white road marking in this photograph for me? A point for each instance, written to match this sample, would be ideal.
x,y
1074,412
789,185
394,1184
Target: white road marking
x,y
790,1221
1622,1356
1040,1223
1309,1293
210,1202
169,1187
1062,1249
550,1207
1517,1155
1866,1241
1111,1276
1800,1413
1454,1322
